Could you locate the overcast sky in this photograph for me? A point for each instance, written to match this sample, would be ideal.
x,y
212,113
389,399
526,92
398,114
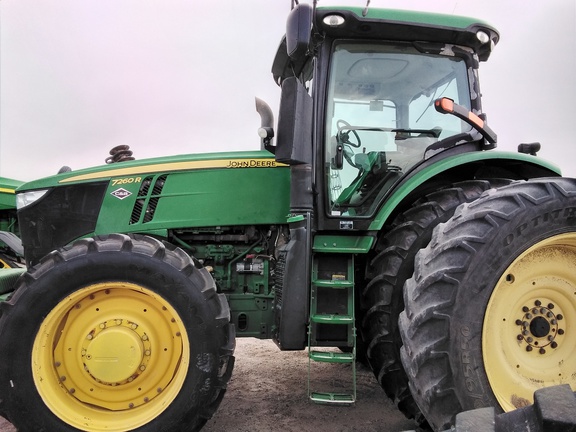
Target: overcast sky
x,y
78,77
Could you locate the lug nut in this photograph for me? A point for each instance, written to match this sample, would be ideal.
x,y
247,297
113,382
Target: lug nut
x,y
525,309
519,337
550,306
560,317
542,351
528,348
560,331
537,302
554,345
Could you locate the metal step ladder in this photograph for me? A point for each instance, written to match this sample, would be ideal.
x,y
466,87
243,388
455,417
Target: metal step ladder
x,y
331,329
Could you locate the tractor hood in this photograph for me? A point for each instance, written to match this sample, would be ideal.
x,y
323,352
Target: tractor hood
x,y
199,192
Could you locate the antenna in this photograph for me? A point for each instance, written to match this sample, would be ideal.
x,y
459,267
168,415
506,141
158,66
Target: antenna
x,y
365,11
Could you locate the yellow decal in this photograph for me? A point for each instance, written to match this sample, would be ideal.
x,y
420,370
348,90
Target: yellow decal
x,y
128,180
4,190
254,163
177,166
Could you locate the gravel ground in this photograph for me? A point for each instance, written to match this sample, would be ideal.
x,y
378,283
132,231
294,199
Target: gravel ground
x,y
267,393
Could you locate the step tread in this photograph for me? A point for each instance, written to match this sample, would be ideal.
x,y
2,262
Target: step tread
x,y
334,283
332,319
331,357
332,398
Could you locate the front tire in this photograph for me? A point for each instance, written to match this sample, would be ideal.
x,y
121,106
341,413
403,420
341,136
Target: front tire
x,y
114,334
491,310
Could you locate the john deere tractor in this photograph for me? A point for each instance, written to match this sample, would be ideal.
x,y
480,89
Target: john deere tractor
x,y
376,221
11,251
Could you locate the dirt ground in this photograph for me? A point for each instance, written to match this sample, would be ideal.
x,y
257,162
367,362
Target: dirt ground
x,y
268,393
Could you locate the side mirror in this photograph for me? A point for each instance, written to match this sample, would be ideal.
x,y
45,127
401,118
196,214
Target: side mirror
x,y
447,106
298,30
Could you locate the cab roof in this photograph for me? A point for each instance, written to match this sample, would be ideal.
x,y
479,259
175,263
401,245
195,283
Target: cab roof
x,y
409,26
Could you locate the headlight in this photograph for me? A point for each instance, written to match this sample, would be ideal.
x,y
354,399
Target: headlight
x,y
333,20
482,36
24,199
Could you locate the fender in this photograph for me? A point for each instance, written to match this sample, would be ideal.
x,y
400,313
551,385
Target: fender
x,y
421,176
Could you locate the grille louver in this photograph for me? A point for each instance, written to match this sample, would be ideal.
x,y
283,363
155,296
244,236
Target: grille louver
x,y
147,200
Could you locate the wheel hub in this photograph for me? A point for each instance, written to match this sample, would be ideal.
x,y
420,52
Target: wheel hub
x,y
114,355
539,327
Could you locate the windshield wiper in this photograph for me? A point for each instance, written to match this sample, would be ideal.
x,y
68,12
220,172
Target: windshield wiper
x,y
434,132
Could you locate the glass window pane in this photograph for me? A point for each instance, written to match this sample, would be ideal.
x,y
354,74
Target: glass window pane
x,y
381,118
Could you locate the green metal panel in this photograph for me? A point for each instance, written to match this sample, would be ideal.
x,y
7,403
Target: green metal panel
x,y
342,244
233,189
445,165
424,18
7,193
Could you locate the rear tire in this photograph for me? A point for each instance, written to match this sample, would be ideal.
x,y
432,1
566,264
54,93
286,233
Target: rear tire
x,y
114,334
382,299
491,310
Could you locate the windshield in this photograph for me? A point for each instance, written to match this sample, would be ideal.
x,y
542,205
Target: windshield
x,y
380,118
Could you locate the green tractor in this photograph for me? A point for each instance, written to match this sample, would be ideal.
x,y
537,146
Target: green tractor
x,y
375,223
11,250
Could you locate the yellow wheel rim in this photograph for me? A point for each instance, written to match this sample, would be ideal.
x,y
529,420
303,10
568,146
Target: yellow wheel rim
x,y
110,357
529,332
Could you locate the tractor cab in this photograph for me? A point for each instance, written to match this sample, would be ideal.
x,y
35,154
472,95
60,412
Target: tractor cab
x,y
368,80
380,117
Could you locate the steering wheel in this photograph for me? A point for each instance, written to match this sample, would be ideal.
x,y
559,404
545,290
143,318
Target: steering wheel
x,y
344,130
